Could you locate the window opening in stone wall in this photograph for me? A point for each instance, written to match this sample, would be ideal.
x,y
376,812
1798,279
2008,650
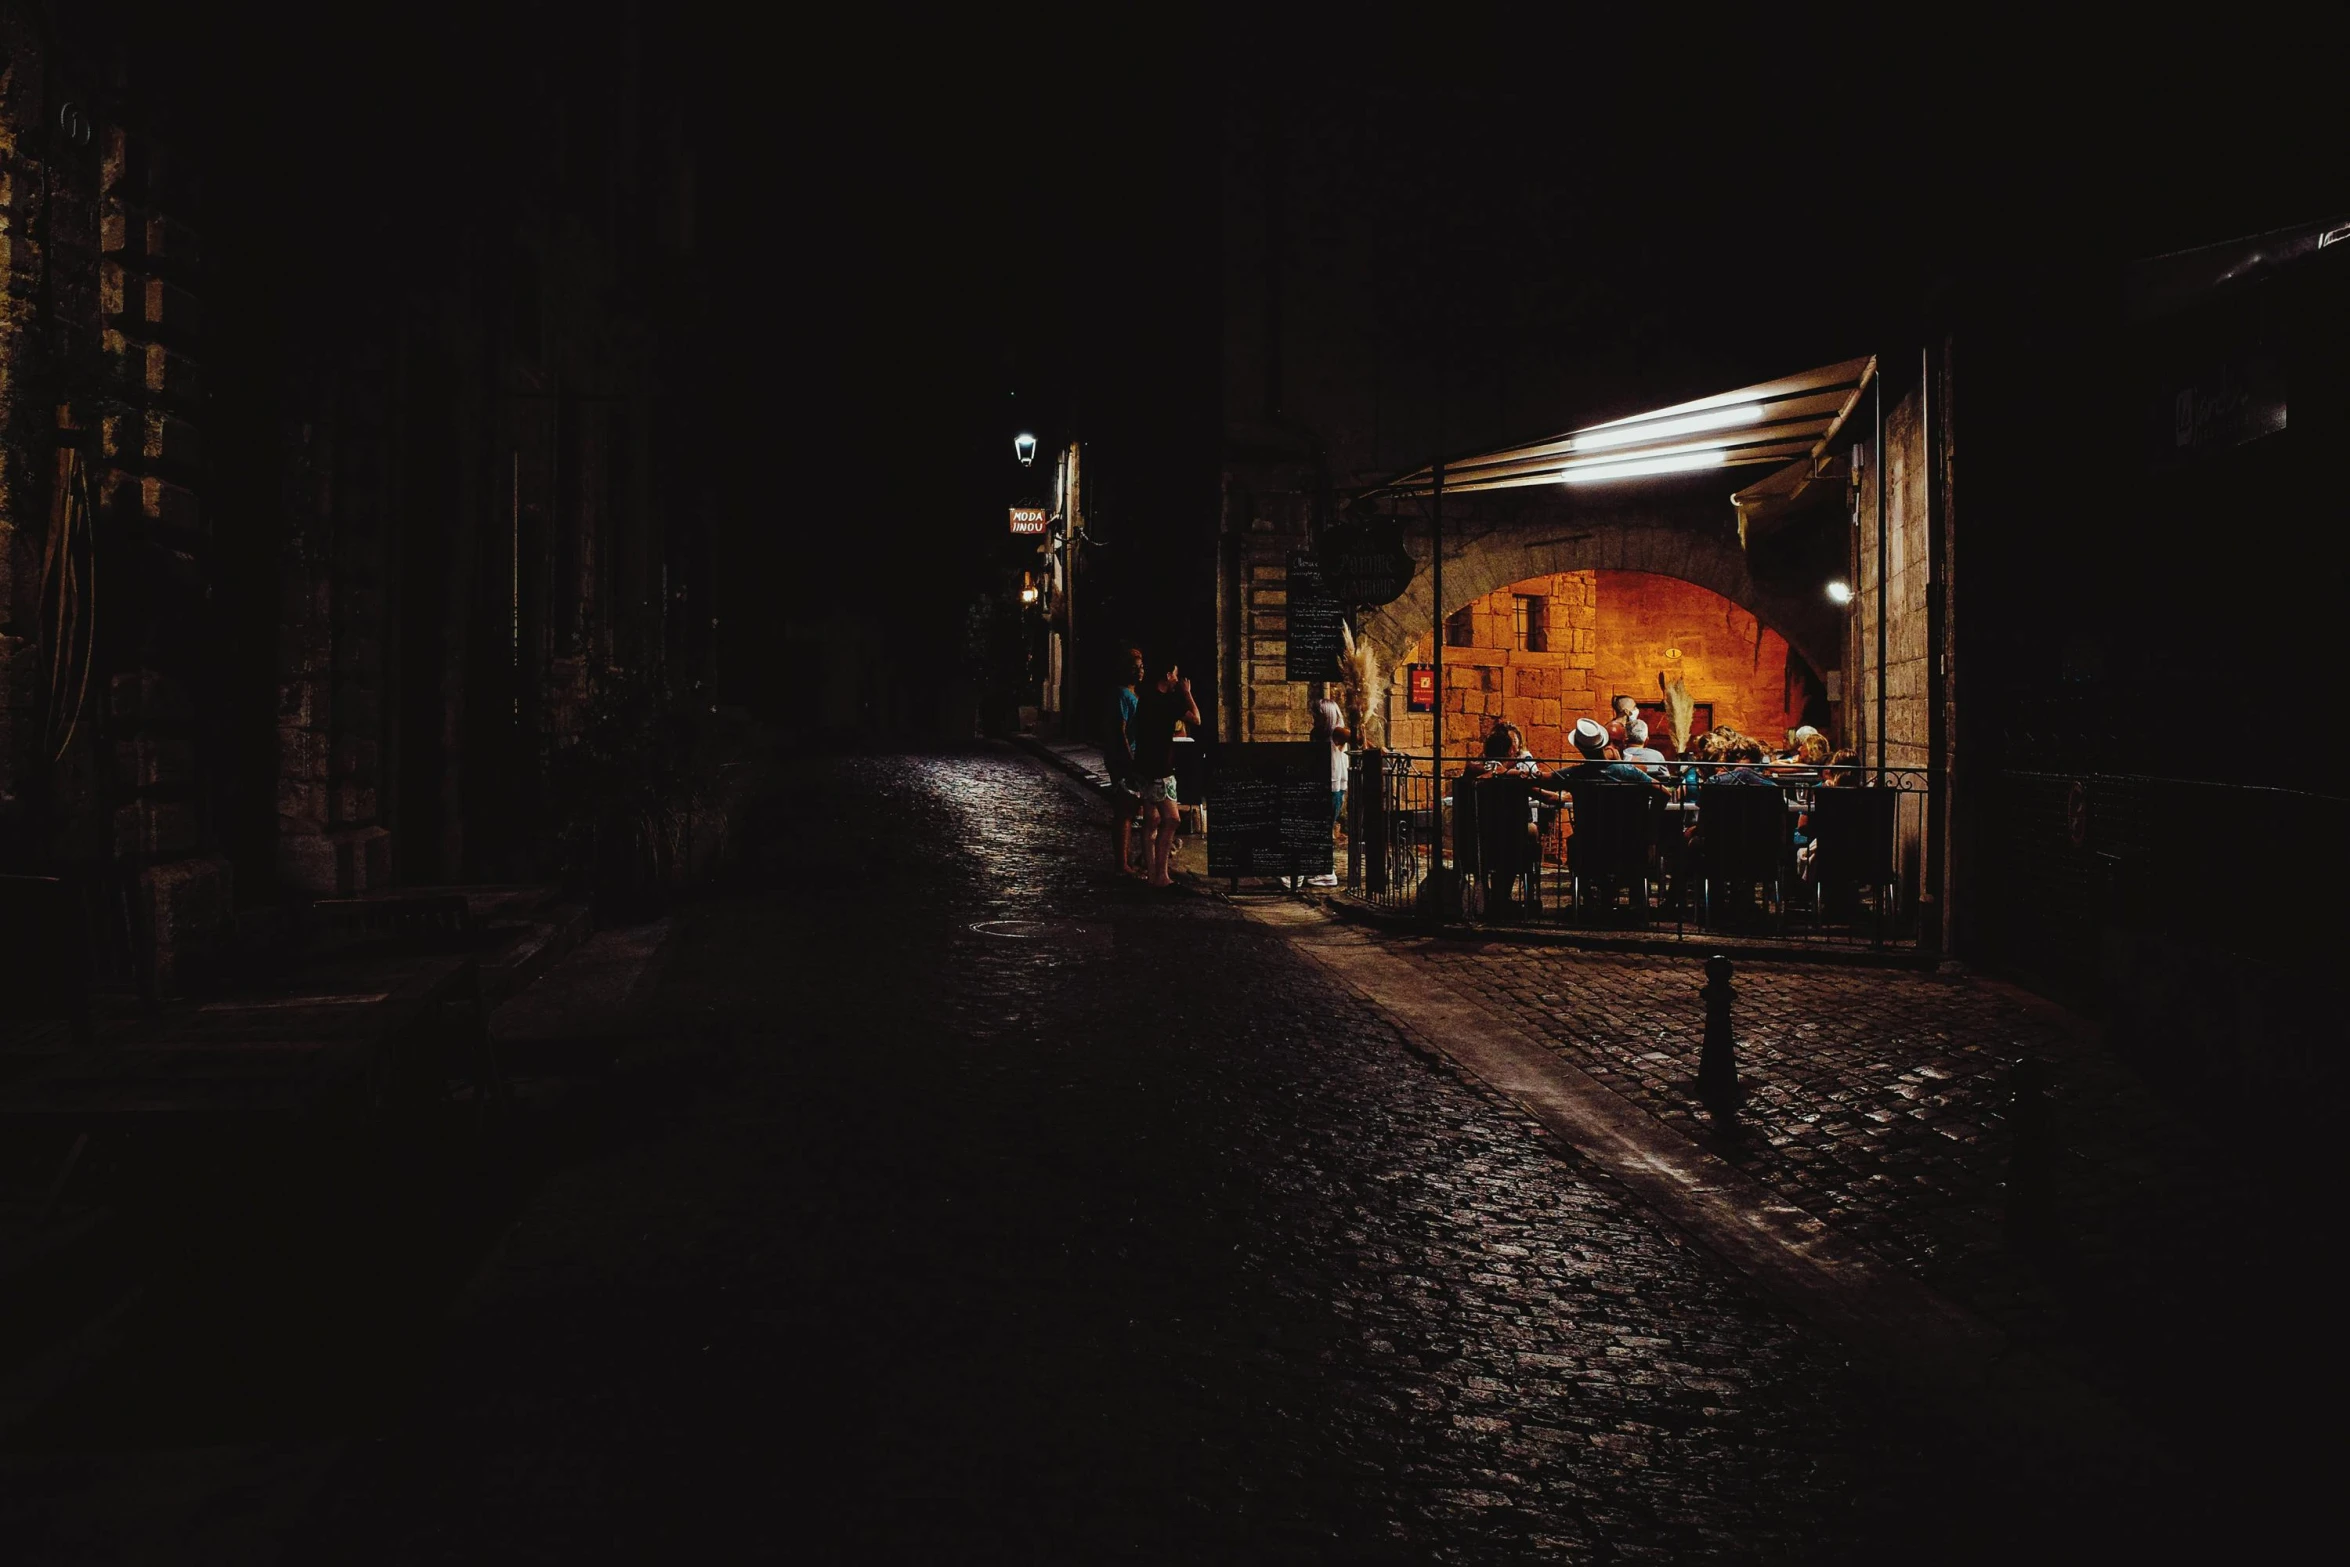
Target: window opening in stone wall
x,y
1460,629
1533,622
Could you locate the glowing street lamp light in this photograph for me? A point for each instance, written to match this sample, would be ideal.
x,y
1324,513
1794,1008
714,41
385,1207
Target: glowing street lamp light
x,y
1840,593
1024,448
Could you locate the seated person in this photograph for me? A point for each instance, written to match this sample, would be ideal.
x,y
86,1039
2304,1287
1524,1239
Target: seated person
x,y
1590,743
1640,753
1505,753
1505,750
1702,749
1804,759
1621,712
1842,770
1746,759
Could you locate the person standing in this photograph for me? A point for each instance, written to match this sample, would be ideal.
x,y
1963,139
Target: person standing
x,y
1330,728
1161,704
1118,757
1623,713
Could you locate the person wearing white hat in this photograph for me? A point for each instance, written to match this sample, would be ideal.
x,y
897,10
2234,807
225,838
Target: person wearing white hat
x,y
1590,742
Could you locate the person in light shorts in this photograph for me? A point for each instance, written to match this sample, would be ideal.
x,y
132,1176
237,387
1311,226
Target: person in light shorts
x,y
1164,703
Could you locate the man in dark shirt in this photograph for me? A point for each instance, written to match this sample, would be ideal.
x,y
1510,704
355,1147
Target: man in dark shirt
x,y
1163,704
1118,757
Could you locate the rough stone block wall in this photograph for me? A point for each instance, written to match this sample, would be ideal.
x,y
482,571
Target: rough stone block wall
x,y
1905,680
331,650
1609,632
149,447
1261,701
100,330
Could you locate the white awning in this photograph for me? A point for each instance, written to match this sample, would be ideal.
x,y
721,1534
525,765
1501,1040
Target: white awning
x,y
1784,421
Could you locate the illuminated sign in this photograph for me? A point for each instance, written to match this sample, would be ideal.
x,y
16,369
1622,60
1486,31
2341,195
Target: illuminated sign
x,y
1028,519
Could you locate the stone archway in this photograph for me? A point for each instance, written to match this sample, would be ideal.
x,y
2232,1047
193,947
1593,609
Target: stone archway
x,y
1493,556
1677,530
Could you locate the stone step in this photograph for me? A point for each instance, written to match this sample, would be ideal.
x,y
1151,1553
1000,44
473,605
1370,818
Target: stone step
x,y
523,950
583,1009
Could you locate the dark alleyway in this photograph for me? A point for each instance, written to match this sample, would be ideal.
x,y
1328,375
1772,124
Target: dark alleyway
x,y
1117,1235
1030,1217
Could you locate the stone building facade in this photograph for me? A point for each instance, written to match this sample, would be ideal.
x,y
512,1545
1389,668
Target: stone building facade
x,y
324,531
105,545
1545,651
1671,553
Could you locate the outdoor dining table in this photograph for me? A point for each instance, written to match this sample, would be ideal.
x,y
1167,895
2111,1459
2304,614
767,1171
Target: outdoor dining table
x,y
1794,806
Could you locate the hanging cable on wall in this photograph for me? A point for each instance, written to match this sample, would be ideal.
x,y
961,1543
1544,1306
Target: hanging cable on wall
x,y
69,598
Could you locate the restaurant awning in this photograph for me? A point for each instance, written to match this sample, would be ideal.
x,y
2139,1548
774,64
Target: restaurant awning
x,y
1790,421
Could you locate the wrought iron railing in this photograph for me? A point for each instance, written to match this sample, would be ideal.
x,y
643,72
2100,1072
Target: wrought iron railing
x,y
1509,854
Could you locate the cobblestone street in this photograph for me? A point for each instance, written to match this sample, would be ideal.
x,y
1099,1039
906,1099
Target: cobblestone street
x,y
1878,1102
1040,1217
1123,1234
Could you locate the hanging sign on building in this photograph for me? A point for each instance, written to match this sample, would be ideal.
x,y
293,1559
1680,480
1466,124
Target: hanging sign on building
x,y
1420,688
1365,563
1315,622
1028,519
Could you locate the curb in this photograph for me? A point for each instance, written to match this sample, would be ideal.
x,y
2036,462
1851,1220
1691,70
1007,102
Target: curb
x,y
1355,912
1915,1342
1059,763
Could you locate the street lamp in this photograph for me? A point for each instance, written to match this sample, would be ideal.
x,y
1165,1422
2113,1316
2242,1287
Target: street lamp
x,y
1839,593
1024,448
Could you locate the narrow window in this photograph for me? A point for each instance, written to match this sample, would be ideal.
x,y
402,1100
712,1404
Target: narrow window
x,y
1460,630
1533,622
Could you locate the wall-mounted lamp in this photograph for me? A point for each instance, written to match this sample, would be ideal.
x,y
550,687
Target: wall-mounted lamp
x,y
1024,448
1839,593
1028,595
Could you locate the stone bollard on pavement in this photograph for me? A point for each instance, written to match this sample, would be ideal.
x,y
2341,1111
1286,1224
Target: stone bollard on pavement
x,y
1717,1067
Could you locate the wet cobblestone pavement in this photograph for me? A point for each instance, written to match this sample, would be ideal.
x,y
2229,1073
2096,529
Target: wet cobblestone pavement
x,y
1118,1235
1878,1102
1041,1217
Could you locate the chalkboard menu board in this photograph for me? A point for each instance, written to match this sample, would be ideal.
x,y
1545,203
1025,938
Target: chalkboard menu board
x,y
1269,809
1315,640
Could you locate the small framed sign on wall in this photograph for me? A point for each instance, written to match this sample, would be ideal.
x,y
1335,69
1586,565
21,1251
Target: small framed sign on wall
x,y
1420,688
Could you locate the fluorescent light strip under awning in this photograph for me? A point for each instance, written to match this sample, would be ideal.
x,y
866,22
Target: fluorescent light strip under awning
x,y
1641,467
1767,422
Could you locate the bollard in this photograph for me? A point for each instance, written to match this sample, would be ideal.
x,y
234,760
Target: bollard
x,y
2031,1159
1717,1068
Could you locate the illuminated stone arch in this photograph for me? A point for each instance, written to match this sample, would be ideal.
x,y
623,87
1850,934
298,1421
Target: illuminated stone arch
x,y
1490,556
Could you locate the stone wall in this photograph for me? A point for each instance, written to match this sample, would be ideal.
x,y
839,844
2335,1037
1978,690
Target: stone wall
x,y
1609,633
363,544
101,337
1257,699
1905,742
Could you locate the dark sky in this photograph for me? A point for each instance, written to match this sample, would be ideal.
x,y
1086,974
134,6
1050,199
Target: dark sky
x,y
920,238
930,230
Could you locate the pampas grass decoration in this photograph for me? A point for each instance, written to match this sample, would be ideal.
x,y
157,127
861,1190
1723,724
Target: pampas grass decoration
x,y
1679,709
1359,664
